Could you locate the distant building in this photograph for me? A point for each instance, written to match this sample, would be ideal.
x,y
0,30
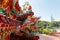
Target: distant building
x,y
52,19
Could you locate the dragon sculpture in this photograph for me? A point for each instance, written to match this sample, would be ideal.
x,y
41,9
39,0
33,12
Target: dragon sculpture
x,y
12,21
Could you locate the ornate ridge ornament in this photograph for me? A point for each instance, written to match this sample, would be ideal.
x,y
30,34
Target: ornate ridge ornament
x,y
12,21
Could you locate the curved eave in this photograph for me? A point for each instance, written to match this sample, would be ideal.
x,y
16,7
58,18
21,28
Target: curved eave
x,y
6,20
21,17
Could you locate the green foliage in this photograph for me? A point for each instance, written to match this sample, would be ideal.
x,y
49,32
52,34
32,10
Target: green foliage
x,y
46,31
48,27
45,24
55,24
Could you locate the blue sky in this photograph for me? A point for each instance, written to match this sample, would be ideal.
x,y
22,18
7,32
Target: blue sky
x,y
45,8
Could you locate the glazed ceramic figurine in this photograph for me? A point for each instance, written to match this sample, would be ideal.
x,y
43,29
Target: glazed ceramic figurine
x,y
27,7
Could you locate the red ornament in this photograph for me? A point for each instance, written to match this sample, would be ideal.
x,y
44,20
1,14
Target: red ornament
x,y
17,6
9,5
7,37
14,16
2,25
29,8
36,37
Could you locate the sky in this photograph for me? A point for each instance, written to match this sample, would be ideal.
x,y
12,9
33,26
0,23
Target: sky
x,y
44,8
